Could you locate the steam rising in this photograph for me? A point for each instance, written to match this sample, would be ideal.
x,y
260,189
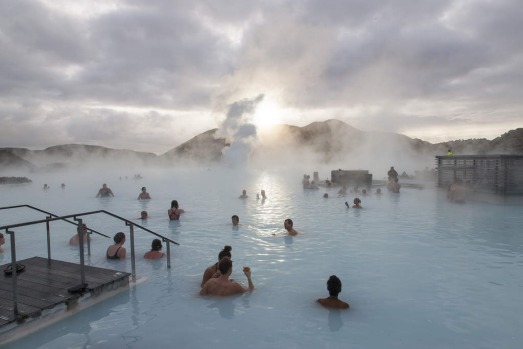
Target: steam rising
x,y
239,131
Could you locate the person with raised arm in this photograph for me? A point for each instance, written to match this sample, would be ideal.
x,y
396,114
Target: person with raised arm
x,y
175,211
222,285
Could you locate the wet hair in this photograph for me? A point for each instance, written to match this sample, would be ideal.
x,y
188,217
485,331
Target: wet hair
x,y
224,266
174,204
226,252
156,245
144,189
235,217
288,220
357,201
334,286
143,214
119,237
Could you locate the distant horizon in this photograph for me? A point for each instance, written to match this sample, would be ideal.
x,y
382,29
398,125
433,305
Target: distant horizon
x,y
190,137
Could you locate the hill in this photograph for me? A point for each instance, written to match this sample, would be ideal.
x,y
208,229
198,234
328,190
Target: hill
x,y
328,142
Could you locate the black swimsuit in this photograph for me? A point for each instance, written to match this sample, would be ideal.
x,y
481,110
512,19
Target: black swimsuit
x,y
115,256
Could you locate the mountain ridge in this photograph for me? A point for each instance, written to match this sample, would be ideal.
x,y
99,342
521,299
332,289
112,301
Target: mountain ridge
x,y
328,141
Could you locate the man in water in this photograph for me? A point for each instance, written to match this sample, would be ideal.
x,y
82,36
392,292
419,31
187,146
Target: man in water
x,y
235,220
222,285
75,240
104,192
244,194
144,195
334,288
393,175
287,224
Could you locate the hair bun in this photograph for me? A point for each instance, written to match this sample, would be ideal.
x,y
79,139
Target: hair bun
x,y
227,248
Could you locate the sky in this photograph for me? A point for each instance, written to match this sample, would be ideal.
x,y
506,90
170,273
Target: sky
x,y
149,75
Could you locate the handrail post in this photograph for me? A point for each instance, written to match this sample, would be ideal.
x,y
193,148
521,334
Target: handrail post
x,y
81,247
133,264
47,225
14,272
168,253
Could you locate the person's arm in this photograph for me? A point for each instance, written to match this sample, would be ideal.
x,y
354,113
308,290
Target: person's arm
x,y
247,272
204,290
99,193
111,192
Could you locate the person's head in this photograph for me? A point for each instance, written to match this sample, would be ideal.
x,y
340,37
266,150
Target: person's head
x,y
392,167
334,286
378,190
84,229
144,189
357,201
263,193
174,204
143,215
225,266
104,185
226,252
288,223
364,191
156,245
119,238
244,192
235,220
325,195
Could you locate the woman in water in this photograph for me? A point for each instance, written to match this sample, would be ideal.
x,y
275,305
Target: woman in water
x,y
117,251
174,212
212,271
155,252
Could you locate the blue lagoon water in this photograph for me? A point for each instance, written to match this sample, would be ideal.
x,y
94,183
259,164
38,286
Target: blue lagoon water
x,y
417,271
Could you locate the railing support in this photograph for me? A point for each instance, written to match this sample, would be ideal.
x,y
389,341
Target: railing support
x,y
133,262
14,272
168,253
81,246
47,225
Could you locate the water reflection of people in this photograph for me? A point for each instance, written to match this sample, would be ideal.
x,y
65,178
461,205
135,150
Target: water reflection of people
x,y
222,285
104,192
144,195
156,250
117,251
334,288
75,239
175,211
212,271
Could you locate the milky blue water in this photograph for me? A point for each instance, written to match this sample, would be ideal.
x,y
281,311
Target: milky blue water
x,y
417,271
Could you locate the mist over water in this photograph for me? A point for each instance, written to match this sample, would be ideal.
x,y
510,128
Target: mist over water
x,y
413,254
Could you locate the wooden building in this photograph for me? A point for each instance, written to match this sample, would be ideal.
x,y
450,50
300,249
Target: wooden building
x,y
497,174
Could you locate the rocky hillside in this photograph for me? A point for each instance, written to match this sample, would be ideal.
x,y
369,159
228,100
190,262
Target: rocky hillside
x,y
330,141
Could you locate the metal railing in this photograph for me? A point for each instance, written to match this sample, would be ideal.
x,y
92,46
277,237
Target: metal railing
x,y
52,217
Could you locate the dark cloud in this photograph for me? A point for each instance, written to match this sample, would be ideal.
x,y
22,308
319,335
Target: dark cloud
x,y
96,73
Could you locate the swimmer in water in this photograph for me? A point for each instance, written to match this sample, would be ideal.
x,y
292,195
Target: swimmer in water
x,y
117,251
212,271
75,240
235,220
287,224
174,212
104,192
222,285
334,288
155,252
144,215
144,195
244,194
357,203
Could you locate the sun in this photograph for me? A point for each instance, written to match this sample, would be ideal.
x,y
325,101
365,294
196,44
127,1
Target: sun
x,y
267,115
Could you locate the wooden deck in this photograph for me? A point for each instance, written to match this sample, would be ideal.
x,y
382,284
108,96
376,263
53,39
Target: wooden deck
x,y
44,285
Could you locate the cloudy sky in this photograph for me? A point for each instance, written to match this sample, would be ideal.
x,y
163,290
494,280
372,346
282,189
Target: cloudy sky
x,y
149,75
